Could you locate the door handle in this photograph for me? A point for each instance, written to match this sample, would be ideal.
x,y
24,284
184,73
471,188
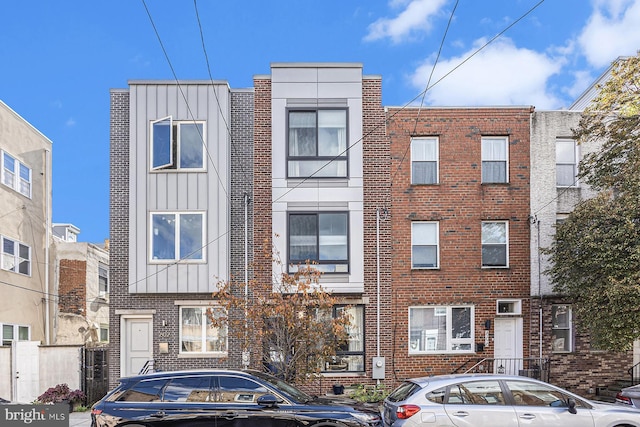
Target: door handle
x,y
230,415
527,416
461,414
159,414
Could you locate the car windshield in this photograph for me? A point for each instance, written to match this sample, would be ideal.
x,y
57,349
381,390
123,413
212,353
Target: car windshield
x,y
292,391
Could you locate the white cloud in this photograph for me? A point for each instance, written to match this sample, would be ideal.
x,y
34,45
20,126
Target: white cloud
x,y
413,19
70,122
612,31
500,74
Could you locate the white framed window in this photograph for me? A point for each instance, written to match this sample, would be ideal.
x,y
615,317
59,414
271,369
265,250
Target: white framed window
x,y
319,237
508,306
424,160
16,175
441,329
15,256
104,332
495,244
197,334
425,248
177,236
566,163
103,280
12,333
495,154
561,328
317,143
177,144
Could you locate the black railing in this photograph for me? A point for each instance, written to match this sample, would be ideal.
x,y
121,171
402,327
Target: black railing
x,y
147,367
634,373
534,367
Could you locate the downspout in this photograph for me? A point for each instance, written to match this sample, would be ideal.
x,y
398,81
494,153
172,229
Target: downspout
x,y
245,350
47,232
539,291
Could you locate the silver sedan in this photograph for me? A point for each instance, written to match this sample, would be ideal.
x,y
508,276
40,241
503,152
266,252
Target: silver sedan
x,y
629,396
496,401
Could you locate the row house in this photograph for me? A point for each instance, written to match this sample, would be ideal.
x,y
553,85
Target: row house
x,y
427,223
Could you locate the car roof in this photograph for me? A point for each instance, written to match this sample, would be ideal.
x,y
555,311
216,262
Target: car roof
x,y
454,378
181,373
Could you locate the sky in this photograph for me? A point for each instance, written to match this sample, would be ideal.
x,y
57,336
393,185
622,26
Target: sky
x,y
59,60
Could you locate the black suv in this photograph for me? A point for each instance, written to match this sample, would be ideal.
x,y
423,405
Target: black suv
x,y
222,398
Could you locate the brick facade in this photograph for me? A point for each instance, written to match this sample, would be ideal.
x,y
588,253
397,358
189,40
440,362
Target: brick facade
x,y
73,286
459,203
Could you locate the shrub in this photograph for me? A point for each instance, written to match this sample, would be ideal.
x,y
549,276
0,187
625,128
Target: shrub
x,y
369,394
61,393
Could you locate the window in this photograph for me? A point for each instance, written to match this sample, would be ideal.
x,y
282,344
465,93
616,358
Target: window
x,y
494,160
177,236
321,238
144,391
239,390
103,280
16,174
566,163
424,160
16,256
527,393
350,356
104,332
197,334
424,245
317,143
177,145
495,248
188,389
561,328
14,333
476,393
443,329
505,307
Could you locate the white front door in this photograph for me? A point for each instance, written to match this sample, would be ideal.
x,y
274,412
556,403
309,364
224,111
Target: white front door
x,y
137,344
507,345
27,370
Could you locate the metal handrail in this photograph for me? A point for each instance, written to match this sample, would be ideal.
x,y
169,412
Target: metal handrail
x,y
147,367
527,367
634,373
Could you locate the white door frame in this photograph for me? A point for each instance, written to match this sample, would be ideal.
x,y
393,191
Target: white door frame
x,y
125,350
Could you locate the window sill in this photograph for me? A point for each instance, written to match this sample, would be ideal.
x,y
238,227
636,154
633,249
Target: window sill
x,y
219,355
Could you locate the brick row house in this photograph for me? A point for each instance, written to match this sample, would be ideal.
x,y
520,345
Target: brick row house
x,y
426,223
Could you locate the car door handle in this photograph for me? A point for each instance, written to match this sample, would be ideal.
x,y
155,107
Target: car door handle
x,y
229,415
159,414
527,416
461,414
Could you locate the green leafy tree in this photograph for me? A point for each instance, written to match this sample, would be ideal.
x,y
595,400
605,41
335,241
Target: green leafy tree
x,y
287,325
596,252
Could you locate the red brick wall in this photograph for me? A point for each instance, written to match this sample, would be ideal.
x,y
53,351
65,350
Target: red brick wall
x,y
73,287
459,202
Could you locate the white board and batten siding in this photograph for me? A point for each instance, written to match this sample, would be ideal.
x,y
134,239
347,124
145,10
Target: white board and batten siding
x,y
179,191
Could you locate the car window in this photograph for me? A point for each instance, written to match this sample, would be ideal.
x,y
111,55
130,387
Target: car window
x,y
437,396
239,390
188,389
476,393
535,394
144,391
403,391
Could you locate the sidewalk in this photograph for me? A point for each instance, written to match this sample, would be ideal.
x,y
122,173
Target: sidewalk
x,y
80,419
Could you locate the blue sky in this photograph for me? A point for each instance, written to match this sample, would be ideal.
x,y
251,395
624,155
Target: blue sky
x,y
61,58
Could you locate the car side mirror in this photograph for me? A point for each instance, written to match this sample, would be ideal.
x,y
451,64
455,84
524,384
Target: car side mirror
x,y
571,403
267,400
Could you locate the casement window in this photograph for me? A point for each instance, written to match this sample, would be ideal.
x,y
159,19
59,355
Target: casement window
x,y
566,163
495,244
321,238
177,236
561,328
15,256
177,144
317,143
425,245
424,160
349,356
103,280
197,333
441,329
494,160
12,333
16,175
